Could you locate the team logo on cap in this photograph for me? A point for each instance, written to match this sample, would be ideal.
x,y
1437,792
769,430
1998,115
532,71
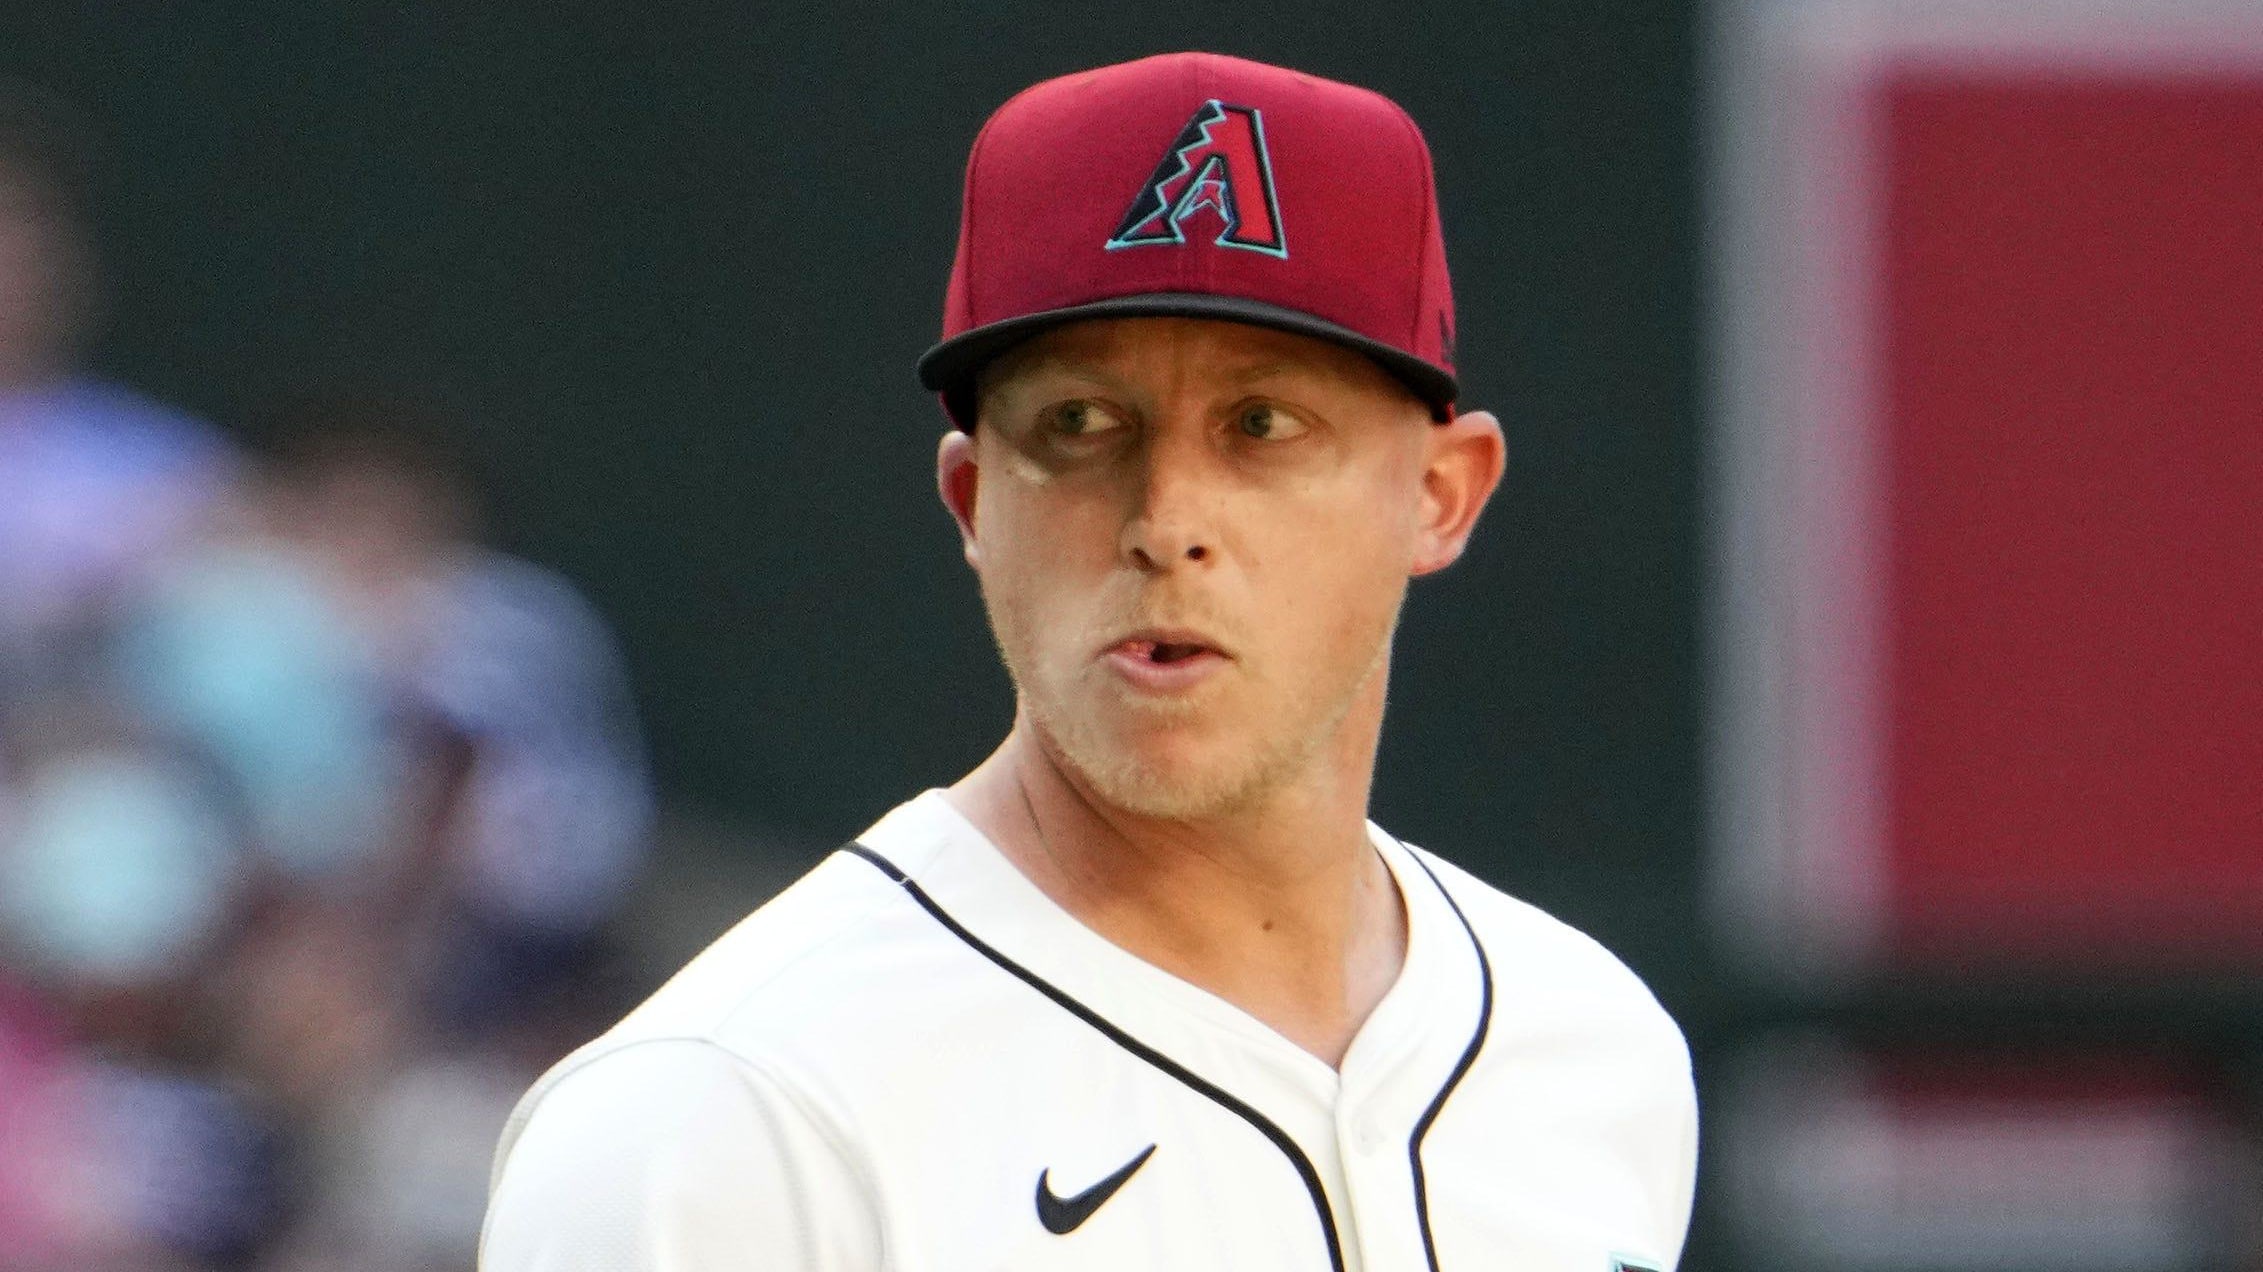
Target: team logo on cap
x,y
1218,162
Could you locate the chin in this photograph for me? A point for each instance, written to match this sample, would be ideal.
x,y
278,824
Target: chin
x,y
1172,772
1160,795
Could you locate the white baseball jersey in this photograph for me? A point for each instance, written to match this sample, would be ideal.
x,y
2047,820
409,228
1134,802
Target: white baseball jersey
x,y
914,1060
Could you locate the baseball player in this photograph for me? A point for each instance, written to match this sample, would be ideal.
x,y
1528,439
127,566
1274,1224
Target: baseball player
x,y
1146,989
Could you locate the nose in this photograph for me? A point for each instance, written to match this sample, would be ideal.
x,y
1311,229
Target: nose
x,y
1171,522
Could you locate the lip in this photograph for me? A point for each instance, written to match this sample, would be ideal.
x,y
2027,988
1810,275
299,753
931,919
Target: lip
x,y
1128,657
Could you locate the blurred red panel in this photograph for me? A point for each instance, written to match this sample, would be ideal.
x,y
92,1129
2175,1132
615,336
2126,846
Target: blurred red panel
x,y
2072,414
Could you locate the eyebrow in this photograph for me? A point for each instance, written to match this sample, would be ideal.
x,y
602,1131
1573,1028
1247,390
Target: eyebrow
x,y
1271,370
1047,364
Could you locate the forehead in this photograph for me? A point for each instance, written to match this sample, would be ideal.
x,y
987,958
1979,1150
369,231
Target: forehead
x,y
1200,352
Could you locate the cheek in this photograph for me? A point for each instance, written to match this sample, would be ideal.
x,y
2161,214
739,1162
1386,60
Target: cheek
x,y
1340,578
1355,539
1039,554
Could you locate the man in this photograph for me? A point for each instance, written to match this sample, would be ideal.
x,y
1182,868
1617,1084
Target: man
x,y
98,484
1146,990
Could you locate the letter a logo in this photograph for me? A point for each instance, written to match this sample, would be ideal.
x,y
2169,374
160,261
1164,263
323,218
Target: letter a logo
x,y
1218,162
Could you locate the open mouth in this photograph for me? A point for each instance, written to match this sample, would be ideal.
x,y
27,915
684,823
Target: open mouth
x,y
1164,652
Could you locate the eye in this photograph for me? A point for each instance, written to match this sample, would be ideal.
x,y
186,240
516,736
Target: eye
x,y
1267,423
1082,417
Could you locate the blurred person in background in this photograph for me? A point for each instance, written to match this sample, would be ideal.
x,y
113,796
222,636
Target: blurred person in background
x,y
311,874
313,810
125,1143
120,1145
438,755
531,812
96,480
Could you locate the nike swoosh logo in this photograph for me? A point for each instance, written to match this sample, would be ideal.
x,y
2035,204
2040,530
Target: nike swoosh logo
x,y
1064,1215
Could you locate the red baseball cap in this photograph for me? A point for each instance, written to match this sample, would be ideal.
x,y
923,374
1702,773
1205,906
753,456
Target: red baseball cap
x,y
1198,185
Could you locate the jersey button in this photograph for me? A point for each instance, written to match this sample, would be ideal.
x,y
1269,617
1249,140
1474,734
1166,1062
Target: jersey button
x,y
1369,1138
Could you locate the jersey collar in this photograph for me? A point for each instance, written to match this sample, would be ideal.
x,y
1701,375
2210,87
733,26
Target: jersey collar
x,y
1412,1046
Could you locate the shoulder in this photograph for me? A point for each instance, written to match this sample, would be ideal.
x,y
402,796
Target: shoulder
x,y
683,1127
129,430
787,971
498,588
822,993
492,607
659,1149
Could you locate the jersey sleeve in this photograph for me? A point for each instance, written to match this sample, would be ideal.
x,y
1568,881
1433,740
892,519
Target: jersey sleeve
x,y
1684,1195
674,1155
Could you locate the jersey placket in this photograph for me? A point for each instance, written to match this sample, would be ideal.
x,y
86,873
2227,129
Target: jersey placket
x,y
1398,1077
1355,1130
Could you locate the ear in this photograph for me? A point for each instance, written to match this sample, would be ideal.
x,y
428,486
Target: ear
x,y
956,476
1465,459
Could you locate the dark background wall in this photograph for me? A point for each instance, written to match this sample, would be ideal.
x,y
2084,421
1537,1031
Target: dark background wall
x,y
681,257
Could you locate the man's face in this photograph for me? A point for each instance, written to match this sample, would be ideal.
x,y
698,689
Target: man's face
x,y
1193,538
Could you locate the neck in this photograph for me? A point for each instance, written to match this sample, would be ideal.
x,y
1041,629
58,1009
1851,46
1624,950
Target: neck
x,y
1282,908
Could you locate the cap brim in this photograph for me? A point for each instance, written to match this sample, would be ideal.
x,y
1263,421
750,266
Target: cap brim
x,y
950,367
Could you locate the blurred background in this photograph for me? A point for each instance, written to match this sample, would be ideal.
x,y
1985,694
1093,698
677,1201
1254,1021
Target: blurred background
x,y
466,536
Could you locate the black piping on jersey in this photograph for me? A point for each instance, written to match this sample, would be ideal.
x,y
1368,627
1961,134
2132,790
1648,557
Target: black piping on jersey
x,y
1156,1058
1469,1057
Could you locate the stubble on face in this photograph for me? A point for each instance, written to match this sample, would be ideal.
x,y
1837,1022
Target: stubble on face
x,y
1228,777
